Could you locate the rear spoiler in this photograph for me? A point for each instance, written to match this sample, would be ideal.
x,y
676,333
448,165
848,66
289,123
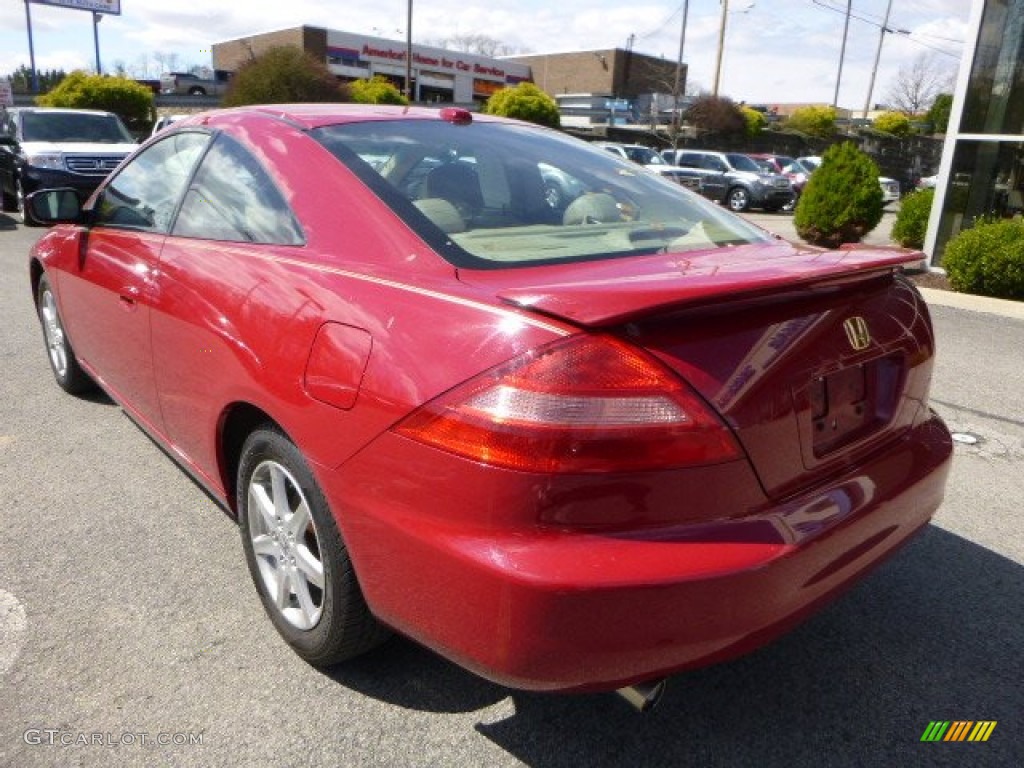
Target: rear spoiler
x,y
605,294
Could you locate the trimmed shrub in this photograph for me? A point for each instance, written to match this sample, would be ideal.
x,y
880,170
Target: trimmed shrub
x,y
988,259
129,100
376,90
284,75
524,101
813,121
842,201
894,123
756,121
912,220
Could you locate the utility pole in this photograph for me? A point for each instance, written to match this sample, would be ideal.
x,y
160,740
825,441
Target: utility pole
x,y
721,46
842,55
677,89
878,56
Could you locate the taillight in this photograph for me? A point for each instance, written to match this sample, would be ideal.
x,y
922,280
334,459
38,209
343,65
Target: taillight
x,y
581,404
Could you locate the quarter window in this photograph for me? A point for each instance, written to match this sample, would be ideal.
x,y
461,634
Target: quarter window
x,y
232,198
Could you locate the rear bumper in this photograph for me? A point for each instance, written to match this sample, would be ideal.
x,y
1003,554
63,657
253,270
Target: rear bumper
x,y
548,609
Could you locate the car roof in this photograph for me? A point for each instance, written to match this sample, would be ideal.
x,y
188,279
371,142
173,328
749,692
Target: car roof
x,y
310,116
59,110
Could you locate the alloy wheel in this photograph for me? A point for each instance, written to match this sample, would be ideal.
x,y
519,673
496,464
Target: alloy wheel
x,y
286,545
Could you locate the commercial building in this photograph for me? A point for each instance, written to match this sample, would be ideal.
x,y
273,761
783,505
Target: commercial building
x,y
438,75
982,171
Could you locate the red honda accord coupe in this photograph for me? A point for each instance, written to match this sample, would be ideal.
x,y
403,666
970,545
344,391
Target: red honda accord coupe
x,y
474,381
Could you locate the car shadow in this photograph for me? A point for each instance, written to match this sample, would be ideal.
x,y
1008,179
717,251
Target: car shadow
x,y
7,223
935,634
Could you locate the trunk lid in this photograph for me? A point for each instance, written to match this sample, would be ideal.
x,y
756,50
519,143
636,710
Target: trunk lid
x,y
814,359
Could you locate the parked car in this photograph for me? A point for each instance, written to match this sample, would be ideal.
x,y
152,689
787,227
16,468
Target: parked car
x,y
165,120
733,179
650,160
570,449
890,187
786,166
928,182
194,85
47,147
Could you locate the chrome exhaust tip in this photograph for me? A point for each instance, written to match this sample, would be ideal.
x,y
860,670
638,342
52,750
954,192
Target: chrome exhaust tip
x,y
643,697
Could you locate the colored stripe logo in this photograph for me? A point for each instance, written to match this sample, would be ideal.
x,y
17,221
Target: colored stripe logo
x,y
959,730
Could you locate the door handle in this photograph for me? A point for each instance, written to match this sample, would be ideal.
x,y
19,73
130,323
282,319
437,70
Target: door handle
x,y
129,296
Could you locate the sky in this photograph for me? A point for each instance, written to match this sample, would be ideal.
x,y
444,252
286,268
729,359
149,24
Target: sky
x,y
776,51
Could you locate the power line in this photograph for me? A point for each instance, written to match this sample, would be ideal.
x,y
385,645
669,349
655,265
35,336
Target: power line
x,y
902,32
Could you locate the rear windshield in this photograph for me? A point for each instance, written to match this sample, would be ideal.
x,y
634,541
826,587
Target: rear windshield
x,y
499,195
72,126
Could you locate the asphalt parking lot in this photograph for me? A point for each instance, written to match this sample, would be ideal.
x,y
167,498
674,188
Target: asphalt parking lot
x,y
131,635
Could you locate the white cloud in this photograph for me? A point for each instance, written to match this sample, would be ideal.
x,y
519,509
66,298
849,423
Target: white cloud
x,y
781,50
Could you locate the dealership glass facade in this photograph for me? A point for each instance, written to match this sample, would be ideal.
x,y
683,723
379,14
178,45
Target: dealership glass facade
x,y
983,162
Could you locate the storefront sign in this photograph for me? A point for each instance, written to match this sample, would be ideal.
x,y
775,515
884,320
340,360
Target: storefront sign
x,y
112,7
439,62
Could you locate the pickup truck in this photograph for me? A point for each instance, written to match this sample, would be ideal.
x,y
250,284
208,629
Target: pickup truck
x,y
193,85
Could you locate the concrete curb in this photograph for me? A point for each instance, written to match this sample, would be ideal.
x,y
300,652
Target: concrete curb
x,y
972,303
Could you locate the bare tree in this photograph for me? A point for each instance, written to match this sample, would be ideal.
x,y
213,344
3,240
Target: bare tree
x,y
480,44
917,84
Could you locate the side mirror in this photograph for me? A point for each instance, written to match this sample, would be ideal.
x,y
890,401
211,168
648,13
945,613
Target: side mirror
x,y
55,206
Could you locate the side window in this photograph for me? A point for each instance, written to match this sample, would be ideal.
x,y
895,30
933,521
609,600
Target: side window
x,y
233,198
145,192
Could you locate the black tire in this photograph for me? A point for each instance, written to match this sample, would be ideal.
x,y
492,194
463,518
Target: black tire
x,y
738,200
19,204
66,370
327,623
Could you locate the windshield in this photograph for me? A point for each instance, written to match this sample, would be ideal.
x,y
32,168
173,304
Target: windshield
x,y
497,195
743,163
66,127
644,156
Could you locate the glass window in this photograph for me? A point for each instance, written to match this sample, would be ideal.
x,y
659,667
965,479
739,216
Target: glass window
x,y
144,194
995,95
233,198
74,126
490,195
987,179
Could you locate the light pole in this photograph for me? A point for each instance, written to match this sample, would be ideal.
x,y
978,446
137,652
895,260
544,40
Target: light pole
x,y
31,49
408,50
96,19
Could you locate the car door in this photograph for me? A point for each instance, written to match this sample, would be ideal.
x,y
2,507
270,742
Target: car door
x,y
715,182
107,293
221,269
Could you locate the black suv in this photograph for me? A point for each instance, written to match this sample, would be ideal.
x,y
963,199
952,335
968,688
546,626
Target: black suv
x,y
733,179
43,148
